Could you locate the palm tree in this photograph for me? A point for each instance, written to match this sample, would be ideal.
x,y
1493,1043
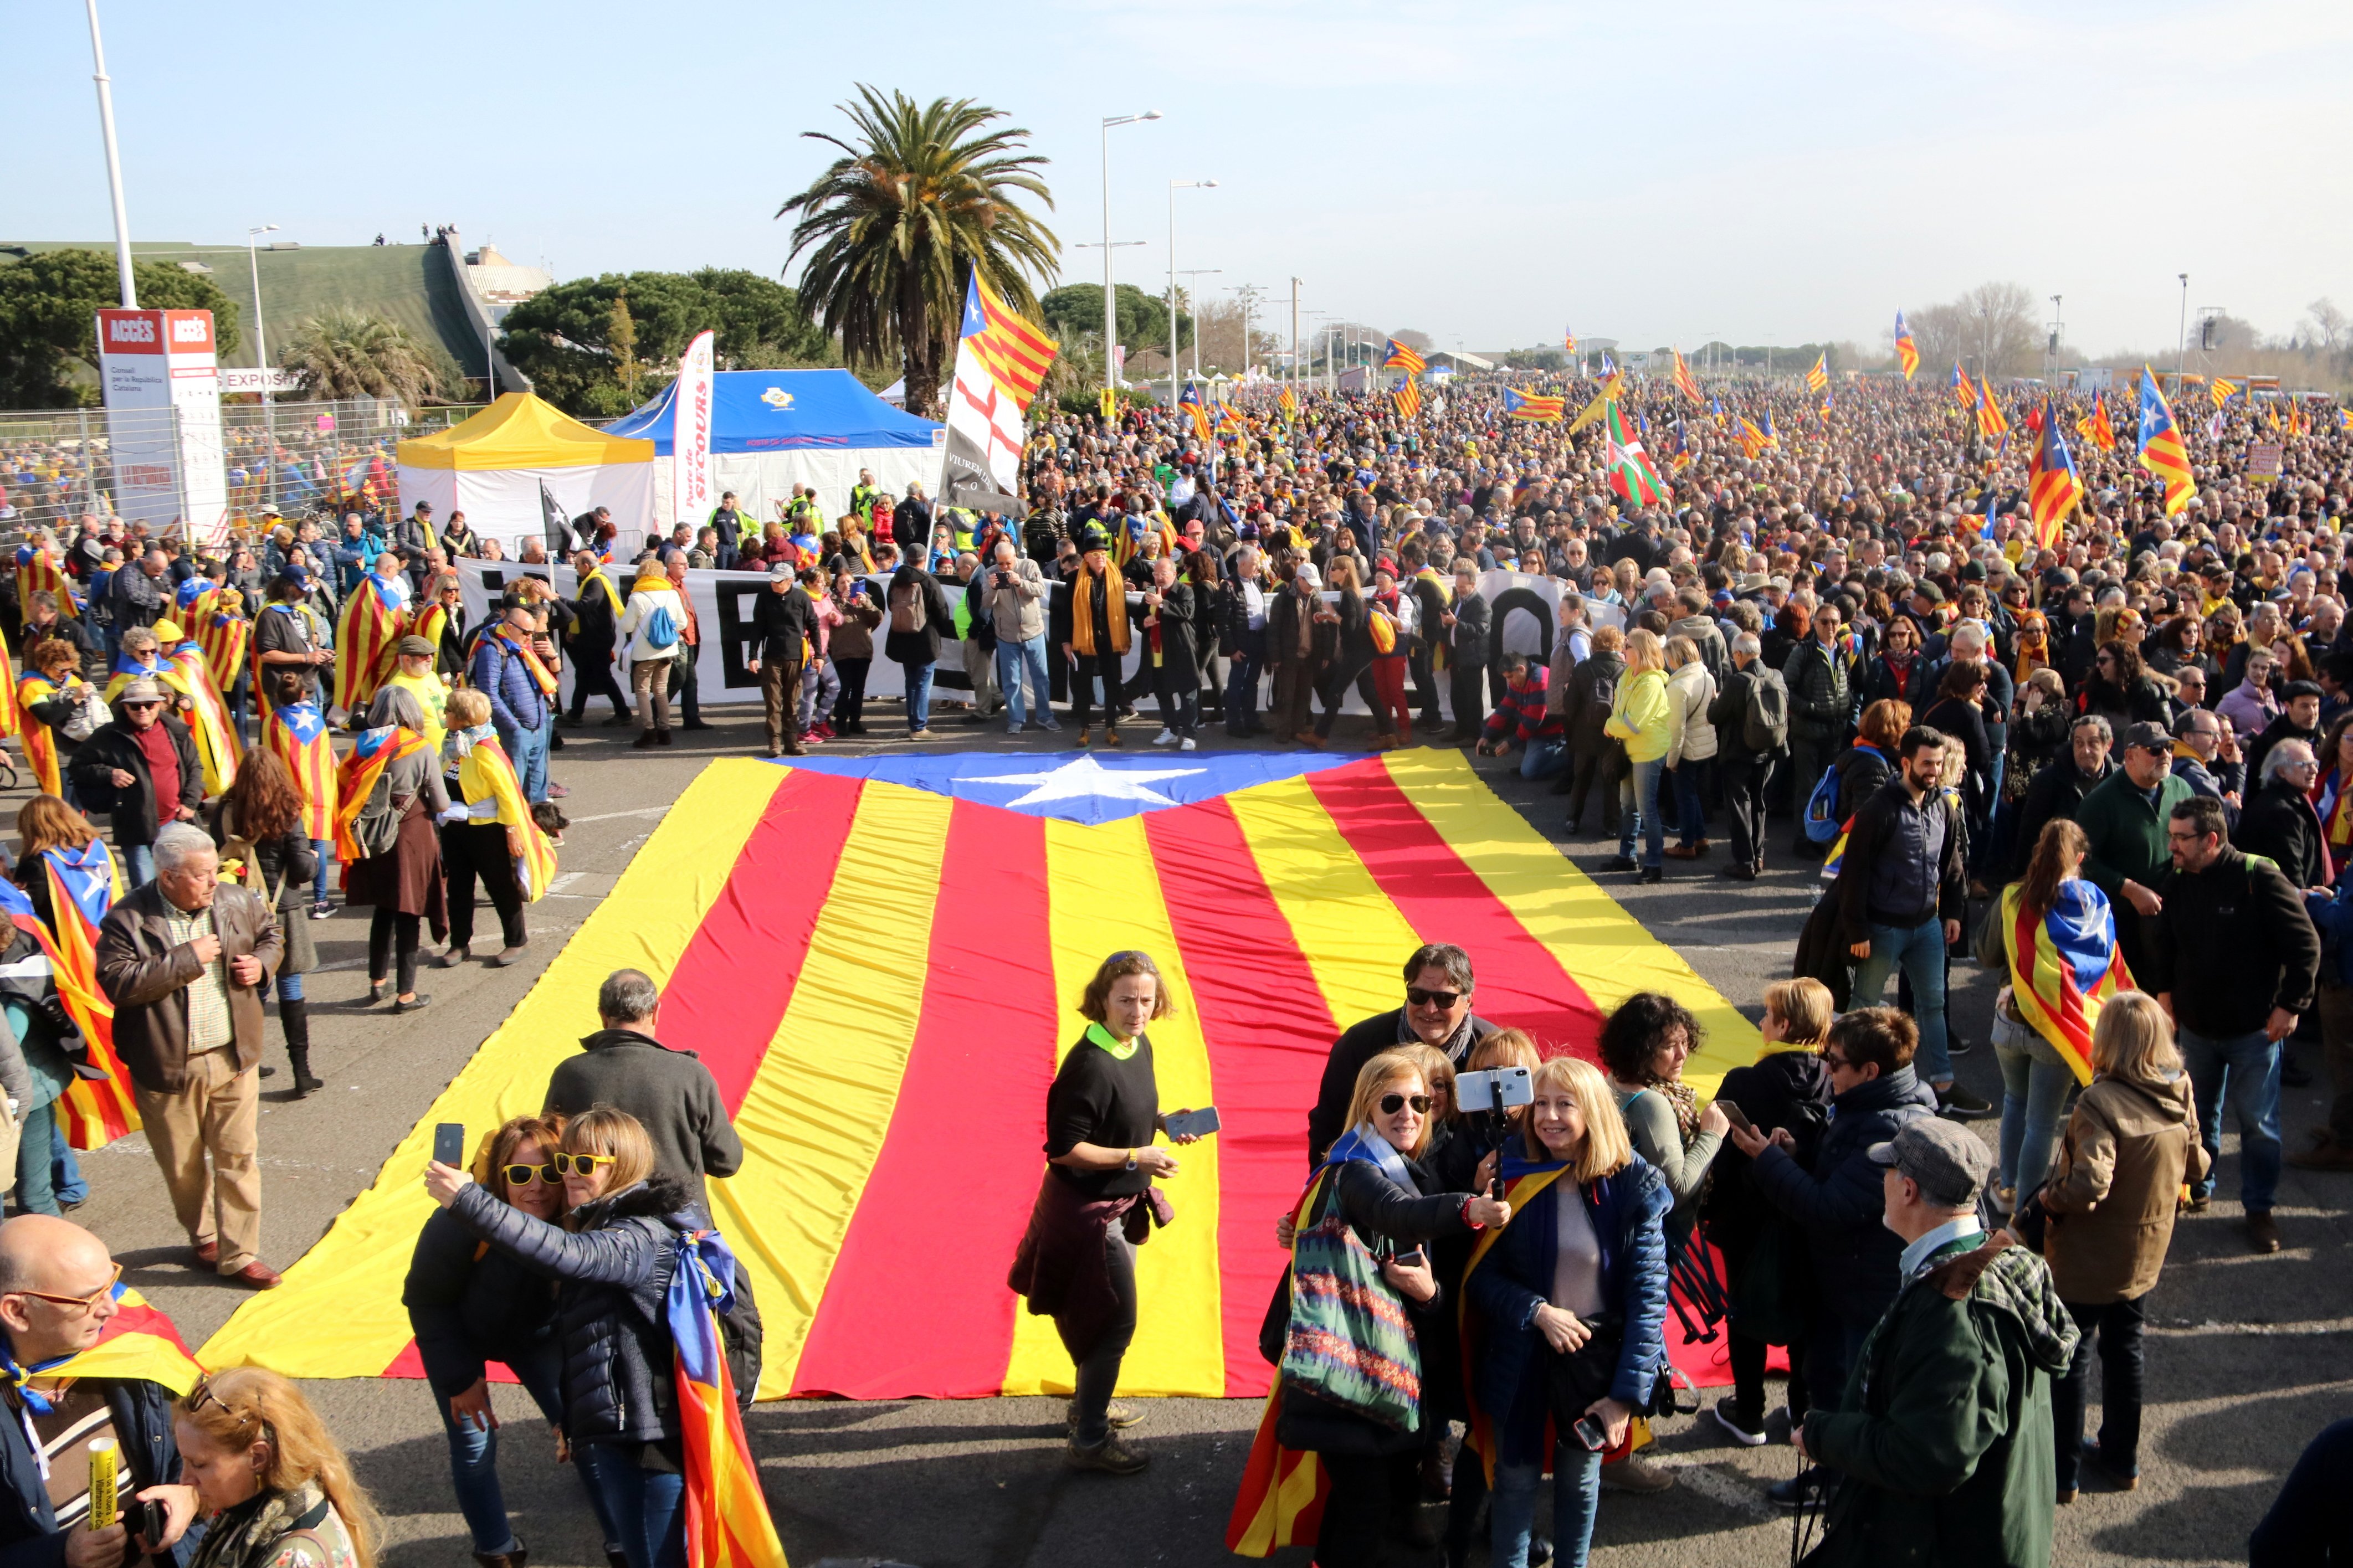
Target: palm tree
x,y
920,198
350,353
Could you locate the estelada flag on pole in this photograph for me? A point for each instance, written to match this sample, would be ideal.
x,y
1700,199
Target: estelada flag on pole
x,y
1907,352
1277,893
2064,967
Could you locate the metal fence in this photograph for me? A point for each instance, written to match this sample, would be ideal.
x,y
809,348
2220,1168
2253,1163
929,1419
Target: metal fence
x,y
158,464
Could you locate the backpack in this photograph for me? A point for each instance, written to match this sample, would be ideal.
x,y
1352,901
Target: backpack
x,y
907,614
1823,820
1605,691
661,630
1764,713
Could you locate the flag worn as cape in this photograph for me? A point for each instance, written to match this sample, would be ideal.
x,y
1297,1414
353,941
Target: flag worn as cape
x,y
2064,967
488,773
727,1522
223,637
139,1342
40,741
367,635
298,733
83,884
355,781
217,747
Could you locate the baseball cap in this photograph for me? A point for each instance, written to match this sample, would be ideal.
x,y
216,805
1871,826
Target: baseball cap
x,y
780,568
414,646
1949,1161
2155,736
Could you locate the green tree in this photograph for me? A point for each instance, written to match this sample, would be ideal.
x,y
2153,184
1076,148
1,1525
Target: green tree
x,y
355,354
1075,310
48,338
922,198
560,338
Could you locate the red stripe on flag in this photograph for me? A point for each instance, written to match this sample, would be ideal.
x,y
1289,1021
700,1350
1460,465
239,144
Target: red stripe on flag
x,y
970,1118
737,973
1268,1031
1519,982
410,1363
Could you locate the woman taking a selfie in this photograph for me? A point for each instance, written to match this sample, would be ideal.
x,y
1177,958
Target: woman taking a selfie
x,y
1567,1308
276,1490
1371,1186
612,1258
1076,1263
471,1305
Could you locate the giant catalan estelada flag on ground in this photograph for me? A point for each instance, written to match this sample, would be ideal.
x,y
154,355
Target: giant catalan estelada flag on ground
x,y
924,926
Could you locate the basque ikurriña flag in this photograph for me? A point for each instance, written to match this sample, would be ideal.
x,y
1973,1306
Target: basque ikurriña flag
x,y
2064,967
727,1520
925,928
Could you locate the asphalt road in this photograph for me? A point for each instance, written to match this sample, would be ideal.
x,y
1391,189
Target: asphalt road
x,y
2242,1368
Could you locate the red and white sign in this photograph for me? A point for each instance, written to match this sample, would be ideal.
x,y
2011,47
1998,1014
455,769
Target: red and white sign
x,y
690,440
162,380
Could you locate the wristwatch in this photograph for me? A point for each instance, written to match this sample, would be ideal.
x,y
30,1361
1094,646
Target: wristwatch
x,y
1130,1159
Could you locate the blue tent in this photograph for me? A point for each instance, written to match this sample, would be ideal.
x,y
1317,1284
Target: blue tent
x,y
788,410
776,428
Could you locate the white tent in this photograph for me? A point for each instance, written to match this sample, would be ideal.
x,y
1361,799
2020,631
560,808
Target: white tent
x,y
493,467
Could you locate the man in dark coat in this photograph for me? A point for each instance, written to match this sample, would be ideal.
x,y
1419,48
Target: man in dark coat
x,y
2060,788
595,620
1462,628
911,526
1168,655
2279,822
145,779
1747,770
1437,1013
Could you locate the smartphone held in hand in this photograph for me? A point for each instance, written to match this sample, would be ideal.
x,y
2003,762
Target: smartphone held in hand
x,y
1192,1123
449,1143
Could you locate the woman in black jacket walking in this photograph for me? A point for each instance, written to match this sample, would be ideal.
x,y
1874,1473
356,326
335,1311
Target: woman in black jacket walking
x,y
1355,664
471,1305
1371,1182
263,810
612,1259
918,611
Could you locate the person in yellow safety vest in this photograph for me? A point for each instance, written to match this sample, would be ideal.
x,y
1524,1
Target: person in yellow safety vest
x,y
861,498
962,523
734,529
801,513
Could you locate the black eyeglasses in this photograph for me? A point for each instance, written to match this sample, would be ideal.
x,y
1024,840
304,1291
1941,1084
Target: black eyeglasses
x,y
1832,1061
1393,1103
1421,998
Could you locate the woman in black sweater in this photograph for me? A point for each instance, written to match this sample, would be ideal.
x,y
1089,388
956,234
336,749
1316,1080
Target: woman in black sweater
x,y
1076,1263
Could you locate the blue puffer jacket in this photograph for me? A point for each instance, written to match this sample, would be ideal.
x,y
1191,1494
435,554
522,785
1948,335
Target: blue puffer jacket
x,y
1842,1200
1629,1212
618,1384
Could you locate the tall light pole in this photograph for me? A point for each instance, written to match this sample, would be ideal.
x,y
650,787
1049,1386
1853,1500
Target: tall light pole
x,y
261,358
1110,311
1195,298
1294,337
2053,372
113,163
1175,186
2181,344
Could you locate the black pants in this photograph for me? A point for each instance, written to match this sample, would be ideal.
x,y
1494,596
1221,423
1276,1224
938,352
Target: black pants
x,y
1098,1363
1469,710
849,708
1334,690
1745,782
1095,672
1808,757
390,931
1591,765
2118,1325
479,849
592,676
1210,689
1425,686
1360,1512
683,685
1181,711
1748,1357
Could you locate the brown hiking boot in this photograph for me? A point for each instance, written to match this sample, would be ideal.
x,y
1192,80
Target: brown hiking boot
x,y
1113,1456
1636,1476
2263,1232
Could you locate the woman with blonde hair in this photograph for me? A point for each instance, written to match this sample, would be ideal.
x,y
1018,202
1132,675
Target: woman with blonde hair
x,y
1371,1197
1076,1262
612,1258
1643,717
275,1488
2110,1201
1565,1310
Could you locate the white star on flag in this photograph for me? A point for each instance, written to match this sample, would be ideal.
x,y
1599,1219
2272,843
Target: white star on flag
x,y
1086,779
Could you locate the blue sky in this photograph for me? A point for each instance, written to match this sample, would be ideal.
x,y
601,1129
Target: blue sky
x,y
1489,174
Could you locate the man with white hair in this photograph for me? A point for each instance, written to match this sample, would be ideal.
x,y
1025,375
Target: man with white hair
x,y
183,959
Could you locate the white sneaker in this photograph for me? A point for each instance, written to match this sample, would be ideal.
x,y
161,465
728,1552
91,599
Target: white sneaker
x,y
1187,744
1165,738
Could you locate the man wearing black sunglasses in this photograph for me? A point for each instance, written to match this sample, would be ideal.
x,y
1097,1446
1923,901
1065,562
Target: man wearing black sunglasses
x,y
1437,1011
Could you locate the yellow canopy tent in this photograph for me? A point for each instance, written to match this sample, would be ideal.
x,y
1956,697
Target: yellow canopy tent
x,y
496,466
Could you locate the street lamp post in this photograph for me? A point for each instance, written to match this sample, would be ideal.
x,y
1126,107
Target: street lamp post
x,y
2181,344
1175,186
113,163
1196,288
261,358
1110,311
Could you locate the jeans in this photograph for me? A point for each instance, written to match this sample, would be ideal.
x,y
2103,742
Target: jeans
x,y
919,695
1012,659
324,848
1919,950
474,1457
2118,1325
1637,812
1544,758
2035,1079
1691,800
138,866
36,1140
1576,1486
527,749
1098,1363
641,1506
2245,1069
820,689
1243,671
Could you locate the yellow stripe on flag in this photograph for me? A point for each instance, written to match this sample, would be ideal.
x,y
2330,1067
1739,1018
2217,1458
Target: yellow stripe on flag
x,y
815,1116
339,1312
1103,897
1586,932
1352,936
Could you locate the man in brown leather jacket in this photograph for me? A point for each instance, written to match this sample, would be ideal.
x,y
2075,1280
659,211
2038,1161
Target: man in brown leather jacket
x,y
183,959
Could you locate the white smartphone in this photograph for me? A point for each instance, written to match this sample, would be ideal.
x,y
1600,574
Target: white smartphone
x,y
1498,1089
